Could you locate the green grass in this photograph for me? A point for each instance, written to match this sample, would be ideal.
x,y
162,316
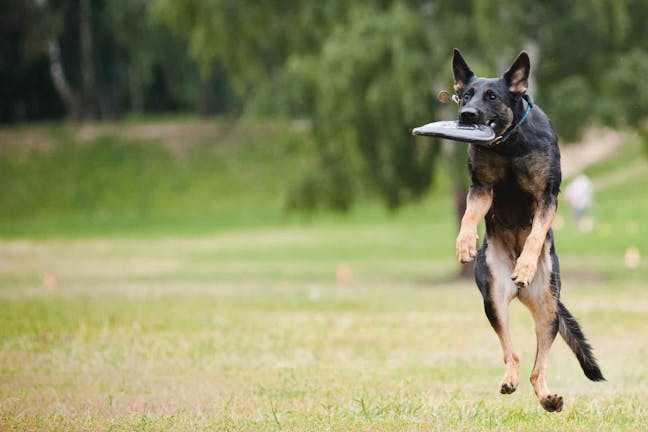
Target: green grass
x,y
204,334
188,177
206,308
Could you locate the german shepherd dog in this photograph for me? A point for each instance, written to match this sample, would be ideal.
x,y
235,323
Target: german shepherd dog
x,y
515,181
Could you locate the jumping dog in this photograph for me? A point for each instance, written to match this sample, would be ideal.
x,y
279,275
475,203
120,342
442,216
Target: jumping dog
x,y
515,181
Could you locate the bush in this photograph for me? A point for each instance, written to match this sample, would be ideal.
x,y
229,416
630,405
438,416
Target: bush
x,y
571,107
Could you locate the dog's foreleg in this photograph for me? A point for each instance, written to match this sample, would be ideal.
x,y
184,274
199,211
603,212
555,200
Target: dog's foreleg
x,y
527,263
478,203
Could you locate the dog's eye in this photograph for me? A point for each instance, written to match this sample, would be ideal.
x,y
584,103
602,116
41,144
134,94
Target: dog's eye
x,y
466,97
491,95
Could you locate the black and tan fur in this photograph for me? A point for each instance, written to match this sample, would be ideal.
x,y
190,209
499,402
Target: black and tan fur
x,y
515,187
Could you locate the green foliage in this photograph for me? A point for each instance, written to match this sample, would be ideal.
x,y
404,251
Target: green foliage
x,y
252,40
586,53
331,185
625,96
571,102
143,59
371,83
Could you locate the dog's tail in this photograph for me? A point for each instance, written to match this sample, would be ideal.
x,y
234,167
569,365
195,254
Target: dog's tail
x,y
573,335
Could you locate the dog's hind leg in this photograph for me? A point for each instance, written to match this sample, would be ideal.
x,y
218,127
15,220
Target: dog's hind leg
x,y
542,300
492,270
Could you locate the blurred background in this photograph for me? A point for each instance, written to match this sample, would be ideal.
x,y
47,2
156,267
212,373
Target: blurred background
x,y
211,114
257,155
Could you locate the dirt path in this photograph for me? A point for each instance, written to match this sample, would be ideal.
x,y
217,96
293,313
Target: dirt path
x,y
597,144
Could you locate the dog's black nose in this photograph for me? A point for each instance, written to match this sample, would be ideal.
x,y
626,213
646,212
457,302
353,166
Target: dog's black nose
x,y
468,116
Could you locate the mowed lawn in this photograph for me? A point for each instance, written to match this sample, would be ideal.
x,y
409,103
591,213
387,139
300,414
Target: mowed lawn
x,y
247,319
251,331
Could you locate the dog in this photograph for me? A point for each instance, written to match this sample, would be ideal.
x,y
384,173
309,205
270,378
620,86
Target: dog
x,y
515,180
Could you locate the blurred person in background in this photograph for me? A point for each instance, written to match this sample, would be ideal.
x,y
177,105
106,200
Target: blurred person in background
x,y
580,194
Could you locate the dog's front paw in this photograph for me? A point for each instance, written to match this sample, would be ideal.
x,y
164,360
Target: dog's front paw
x,y
466,246
525,270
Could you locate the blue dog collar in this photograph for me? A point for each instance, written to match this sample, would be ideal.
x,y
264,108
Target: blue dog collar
x,y
507,135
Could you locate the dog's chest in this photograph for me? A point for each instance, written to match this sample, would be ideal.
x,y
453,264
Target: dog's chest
x,y
526,173
516,182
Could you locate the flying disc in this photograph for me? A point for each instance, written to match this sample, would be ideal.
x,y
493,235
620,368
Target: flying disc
x,y
458,132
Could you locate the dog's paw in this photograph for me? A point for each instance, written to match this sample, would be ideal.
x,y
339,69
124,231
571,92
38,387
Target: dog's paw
x,y
552,403
525,270
466,246
508,387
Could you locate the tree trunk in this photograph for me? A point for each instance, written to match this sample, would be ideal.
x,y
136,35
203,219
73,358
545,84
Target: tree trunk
x,y
135,91
204,108
67,94
88,96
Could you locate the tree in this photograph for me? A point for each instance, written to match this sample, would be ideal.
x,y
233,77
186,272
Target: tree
x,y
625,100
88,89
371,83
146,71
215,31
80,103
26,89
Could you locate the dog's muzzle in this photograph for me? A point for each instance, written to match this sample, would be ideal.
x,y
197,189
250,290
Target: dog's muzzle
x,y
469,116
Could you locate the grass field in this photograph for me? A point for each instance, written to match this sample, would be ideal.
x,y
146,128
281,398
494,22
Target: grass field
x,y
185,334
242,326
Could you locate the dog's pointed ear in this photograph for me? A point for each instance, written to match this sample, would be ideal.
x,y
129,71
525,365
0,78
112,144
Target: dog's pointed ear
x,y
460,70
517,77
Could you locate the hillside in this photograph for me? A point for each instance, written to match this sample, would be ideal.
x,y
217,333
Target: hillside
x,y
192,178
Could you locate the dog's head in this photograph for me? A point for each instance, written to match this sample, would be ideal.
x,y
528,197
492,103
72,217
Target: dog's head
x,y
489,101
